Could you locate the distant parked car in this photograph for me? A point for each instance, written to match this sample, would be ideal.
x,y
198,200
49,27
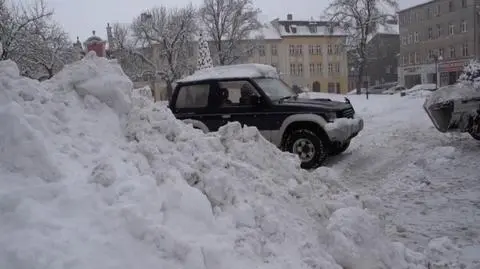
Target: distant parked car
x,y
395,89
419,88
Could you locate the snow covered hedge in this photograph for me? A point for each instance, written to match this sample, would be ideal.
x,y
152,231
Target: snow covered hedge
x,y
471,72
94,174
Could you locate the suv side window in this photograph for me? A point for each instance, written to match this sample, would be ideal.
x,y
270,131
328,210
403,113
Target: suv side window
x,y
236,93
193,96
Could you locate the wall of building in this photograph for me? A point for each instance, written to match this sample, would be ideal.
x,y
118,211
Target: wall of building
x,y
436,29
309,76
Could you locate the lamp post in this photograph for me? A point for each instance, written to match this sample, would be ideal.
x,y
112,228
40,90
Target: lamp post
x,y
437,58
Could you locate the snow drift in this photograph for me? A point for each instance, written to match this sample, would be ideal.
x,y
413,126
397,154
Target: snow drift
x,y
96,175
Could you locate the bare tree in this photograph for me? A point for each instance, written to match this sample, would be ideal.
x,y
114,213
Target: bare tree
x,y
229,24
164,36
47,48
14,20
360,18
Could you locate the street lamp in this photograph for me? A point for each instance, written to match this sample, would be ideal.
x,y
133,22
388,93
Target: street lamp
x,y
437,58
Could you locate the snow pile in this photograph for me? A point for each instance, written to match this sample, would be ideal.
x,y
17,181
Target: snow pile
x,y
94,175
421,90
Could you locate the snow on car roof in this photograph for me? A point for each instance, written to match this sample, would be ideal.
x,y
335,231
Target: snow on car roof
x,y
232,71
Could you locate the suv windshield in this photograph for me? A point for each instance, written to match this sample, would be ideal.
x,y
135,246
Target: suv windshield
x,y
274,88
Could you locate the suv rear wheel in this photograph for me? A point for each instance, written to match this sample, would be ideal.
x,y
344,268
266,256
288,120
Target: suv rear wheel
x,y
310,147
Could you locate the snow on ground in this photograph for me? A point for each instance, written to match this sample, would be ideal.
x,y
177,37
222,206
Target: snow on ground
x,y
428,182
93,175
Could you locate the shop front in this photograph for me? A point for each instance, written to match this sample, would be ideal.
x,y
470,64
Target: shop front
x,y
451,70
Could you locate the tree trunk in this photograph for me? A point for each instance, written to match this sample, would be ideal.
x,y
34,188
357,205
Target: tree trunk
x,y
50,72
169,90
152,89
360,78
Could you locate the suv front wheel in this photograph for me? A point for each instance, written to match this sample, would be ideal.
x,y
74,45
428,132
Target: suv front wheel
x,y
311,149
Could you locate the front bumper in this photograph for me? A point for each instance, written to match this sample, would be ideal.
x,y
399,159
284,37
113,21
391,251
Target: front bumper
x,y
343,129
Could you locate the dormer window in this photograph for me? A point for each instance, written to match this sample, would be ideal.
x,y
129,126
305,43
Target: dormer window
x,y
287,28
313,28
294,29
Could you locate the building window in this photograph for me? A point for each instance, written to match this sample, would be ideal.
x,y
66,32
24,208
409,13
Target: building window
x,y
299,50
452,52
416,37
463,26
319,68
417,60
440,52
437,10
300,69
411,58
405,59
428,13
404,40
330,50
464,3
261,50
337,49
451,7
274,50
410,39
337,68
430,54
330,68
250,52
465,50
439,30
310,50
451,29
318,49
430,33
312,68
293,70
291,50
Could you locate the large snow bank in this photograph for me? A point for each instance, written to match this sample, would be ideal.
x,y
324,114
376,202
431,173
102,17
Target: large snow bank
x,y
95,175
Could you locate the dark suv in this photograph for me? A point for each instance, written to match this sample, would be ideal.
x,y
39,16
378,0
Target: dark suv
x,y
254,95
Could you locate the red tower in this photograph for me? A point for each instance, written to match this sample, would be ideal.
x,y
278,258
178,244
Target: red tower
x,y
96,44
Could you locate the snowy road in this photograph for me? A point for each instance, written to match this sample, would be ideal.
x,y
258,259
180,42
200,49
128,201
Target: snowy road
x,y
429,182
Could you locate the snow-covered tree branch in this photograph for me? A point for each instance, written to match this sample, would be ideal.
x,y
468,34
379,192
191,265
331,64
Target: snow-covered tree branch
x,y
229,24
14,19
165,34
360,19
47,48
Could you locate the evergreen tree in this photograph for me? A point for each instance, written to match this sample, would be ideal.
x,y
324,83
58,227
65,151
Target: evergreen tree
x,y
204,59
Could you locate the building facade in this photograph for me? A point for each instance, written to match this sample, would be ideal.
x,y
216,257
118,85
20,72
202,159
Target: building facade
x,y
312,54
382,52
440,36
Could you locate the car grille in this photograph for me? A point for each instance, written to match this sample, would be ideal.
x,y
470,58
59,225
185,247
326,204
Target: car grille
x,y
347,113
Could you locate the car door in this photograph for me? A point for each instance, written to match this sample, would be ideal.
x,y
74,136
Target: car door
x,y
193,104
236,106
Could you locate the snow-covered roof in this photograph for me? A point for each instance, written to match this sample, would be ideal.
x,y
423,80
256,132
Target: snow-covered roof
x,y
385,29
232,71
267,32
307,28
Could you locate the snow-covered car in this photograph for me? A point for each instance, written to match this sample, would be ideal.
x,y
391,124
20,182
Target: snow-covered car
x,y
422,87
456,108
254,95
394,90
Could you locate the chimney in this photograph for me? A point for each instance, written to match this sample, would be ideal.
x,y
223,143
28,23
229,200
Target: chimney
x,y
289,17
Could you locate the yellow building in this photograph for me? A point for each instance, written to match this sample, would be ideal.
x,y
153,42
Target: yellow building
x,y
307,53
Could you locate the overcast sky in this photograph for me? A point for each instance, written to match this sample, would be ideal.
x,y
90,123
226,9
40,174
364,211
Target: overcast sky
x,y
80,17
